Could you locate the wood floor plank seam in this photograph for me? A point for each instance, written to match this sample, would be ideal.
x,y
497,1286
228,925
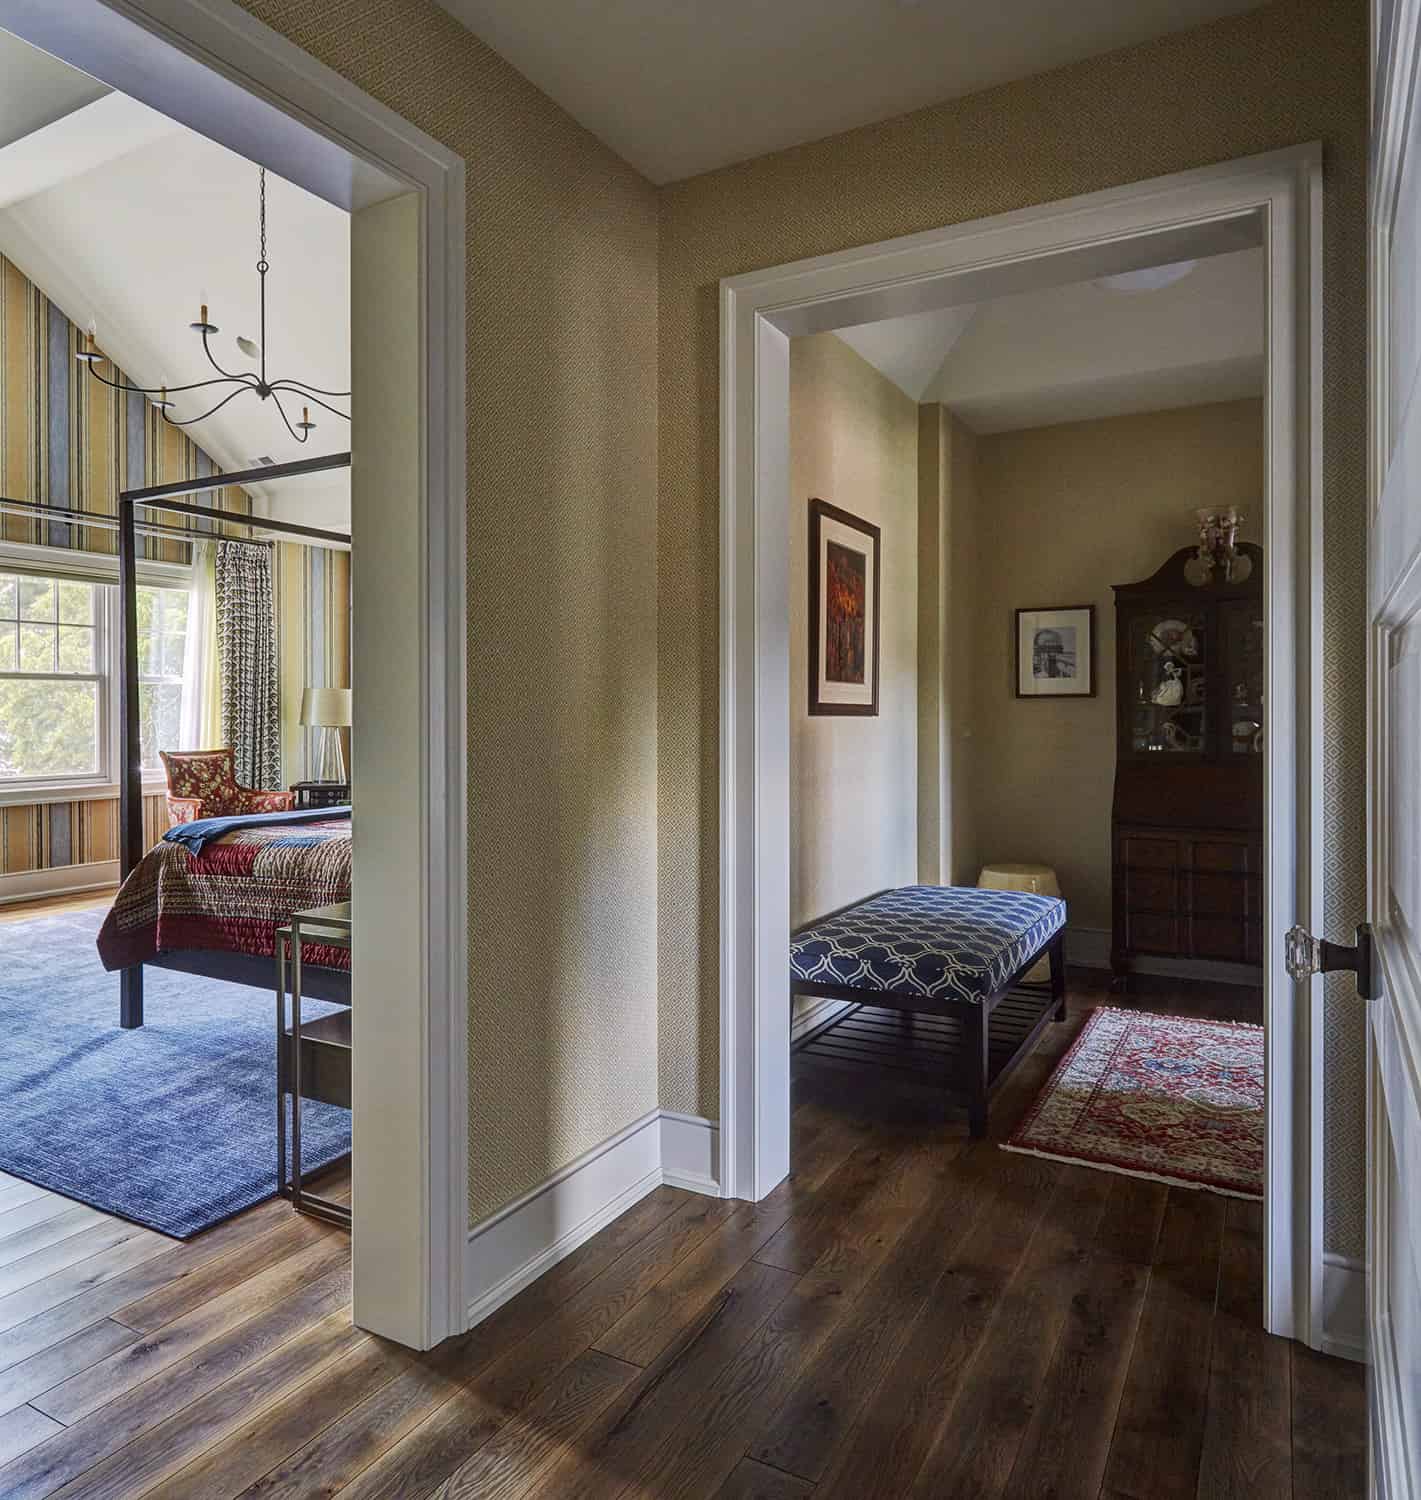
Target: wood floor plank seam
x,y
149,1415
89,1483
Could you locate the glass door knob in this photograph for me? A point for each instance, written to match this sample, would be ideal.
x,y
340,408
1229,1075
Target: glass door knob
x,y
1302,954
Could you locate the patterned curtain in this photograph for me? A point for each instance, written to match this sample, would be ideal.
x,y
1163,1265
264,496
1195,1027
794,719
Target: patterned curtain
x,y
247,655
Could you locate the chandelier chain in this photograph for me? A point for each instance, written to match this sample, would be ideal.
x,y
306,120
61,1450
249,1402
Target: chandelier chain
x,y
262,263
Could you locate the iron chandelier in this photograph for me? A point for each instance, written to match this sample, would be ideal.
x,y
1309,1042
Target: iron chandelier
x,y
266,390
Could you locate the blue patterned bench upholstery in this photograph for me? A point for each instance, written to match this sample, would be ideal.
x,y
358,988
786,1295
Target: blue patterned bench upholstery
x,y
946,943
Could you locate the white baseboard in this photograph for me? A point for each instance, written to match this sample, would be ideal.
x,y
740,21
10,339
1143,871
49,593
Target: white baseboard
x,y
62,880
1344,1307
512,1248
690,1153
1089,948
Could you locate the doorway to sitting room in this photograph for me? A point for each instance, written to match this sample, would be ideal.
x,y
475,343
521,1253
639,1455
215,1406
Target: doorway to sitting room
x,y
1201,217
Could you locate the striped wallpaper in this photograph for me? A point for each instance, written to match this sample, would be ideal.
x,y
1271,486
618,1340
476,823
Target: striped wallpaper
x,y
66,439
313,630
50,835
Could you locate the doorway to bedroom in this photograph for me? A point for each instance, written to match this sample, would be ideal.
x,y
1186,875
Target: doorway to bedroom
x,y
139,362
235,576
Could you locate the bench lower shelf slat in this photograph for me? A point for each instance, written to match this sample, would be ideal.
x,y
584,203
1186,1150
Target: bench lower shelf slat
x,y
929,1049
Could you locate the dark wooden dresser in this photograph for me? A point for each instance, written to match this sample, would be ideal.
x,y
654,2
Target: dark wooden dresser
x,y
1187,824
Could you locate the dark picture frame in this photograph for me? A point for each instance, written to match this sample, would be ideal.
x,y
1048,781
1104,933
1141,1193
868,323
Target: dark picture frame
x,y
835,533
1054,663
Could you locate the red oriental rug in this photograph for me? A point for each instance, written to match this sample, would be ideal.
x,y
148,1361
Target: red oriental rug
x,y
1165,1097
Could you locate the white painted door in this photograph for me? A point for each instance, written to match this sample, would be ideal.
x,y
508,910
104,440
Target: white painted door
x,y
1394,772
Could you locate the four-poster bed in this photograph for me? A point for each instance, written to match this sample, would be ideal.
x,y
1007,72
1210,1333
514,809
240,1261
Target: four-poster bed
x,y
284,880
219,963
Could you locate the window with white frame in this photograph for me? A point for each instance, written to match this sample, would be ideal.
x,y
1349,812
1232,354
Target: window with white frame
x,y
59,678
53,671
162,649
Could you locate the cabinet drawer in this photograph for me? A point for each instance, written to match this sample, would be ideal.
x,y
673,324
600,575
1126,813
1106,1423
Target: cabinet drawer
x,y
1215,854
1222,895
1151,890
1151,933
1153,854
1221,938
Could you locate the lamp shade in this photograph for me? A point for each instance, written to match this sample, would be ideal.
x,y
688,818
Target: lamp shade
x,y
326,707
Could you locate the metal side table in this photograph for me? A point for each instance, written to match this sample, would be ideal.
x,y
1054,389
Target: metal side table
x,y
312,1058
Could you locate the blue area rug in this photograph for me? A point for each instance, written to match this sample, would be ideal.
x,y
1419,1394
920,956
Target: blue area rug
x,y
172,1125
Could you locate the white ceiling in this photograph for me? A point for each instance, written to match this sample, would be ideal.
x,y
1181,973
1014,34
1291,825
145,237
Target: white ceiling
x,y
678,87
1076,352
37,89
136,241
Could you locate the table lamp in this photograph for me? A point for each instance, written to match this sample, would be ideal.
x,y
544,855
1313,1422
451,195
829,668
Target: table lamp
x,y
328,709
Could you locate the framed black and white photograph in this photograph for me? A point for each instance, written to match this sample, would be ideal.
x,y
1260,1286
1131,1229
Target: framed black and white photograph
x,y
844,575
1055,652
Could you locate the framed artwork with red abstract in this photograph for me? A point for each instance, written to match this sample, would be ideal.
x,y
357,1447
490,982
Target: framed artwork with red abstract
x,y
843,611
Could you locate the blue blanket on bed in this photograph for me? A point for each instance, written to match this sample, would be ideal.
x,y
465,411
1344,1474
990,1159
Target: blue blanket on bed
x,y
197,835
947,942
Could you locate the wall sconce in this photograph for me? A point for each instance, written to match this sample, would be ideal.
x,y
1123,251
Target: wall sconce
x,y
1218,548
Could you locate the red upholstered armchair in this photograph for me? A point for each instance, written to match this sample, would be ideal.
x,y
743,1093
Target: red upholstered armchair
x,y
203,784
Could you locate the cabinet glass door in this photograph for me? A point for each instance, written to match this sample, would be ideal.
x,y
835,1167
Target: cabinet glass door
x,y
1241,623
1167,668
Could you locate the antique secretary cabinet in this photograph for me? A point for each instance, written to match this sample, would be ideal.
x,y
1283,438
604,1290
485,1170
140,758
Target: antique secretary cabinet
x,y
1187,823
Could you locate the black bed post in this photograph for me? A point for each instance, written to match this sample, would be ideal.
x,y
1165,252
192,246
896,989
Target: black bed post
x,y
130,755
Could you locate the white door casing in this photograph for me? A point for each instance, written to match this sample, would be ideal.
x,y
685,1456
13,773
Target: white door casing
x,y
213,67
1274,200
1394,757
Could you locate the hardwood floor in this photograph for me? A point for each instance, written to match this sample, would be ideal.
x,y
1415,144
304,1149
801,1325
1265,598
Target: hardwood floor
x,y
49,906
910,1315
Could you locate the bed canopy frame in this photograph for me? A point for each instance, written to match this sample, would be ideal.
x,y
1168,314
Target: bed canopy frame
x,y
174,498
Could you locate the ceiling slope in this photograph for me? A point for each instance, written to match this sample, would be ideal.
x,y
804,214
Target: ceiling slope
x,y
678,87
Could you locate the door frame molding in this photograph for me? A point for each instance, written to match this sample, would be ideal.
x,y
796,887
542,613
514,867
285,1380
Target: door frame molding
x,y
1395,47
1278,194
213,67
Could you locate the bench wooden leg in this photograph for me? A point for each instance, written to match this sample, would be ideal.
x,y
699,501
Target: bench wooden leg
x,y
974,1063
1058,975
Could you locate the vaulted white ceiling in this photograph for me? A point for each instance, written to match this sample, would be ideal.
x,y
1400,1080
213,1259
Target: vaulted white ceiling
x,y
130,222
1084,350
678,87
37,89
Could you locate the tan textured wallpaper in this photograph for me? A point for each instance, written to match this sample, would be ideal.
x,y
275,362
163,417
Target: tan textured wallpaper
x,y
1274,77
1064,513
853,779
562,577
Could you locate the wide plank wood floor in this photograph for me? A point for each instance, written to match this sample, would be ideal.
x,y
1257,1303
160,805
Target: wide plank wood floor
x,y
911,1315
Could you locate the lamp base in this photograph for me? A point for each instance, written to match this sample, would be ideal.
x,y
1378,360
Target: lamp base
x,y
331,764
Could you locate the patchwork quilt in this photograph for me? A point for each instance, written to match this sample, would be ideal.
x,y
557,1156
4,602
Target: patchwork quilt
x,y
232,896
937,942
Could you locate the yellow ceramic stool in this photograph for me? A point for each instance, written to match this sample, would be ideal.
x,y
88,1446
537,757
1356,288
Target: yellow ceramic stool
x,y
1040,880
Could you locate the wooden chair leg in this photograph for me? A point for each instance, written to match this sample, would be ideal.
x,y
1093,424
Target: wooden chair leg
x,y
974,1059
1058,976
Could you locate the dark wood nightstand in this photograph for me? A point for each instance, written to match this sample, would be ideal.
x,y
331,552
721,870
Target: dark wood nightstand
x,y
321,793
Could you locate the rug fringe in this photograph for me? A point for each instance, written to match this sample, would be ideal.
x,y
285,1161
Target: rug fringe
x,y
1105,1166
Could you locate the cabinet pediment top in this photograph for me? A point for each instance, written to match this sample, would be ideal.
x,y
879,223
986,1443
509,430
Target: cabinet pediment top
x,y
1171,577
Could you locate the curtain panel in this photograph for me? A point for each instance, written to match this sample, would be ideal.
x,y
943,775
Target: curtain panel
x,y
247,653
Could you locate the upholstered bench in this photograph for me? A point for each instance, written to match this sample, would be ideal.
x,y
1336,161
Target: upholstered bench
x,y
954,952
